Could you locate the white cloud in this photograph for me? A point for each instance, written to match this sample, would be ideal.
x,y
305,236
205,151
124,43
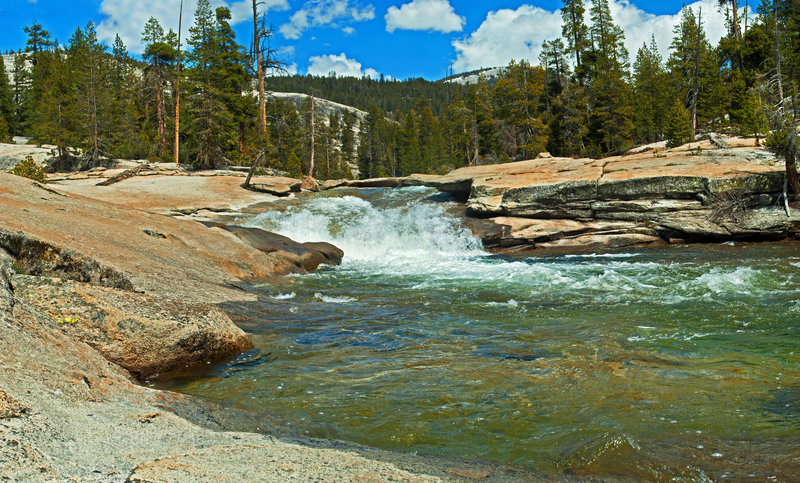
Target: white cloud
x,y
434,15
317,13
339,65
505,35
518,34
127,17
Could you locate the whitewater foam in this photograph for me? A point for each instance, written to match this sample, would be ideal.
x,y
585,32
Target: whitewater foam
x,y
415,237
333,300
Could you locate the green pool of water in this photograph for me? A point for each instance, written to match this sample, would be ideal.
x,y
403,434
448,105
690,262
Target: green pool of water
x,y
652,364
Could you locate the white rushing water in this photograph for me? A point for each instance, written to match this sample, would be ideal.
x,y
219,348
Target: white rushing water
x,y
398,238
397,233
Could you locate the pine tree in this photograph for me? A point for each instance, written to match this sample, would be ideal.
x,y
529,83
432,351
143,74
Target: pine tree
x,y
517,96
753,118
430,140
348,140
216,78
293,165
50,120
576,34
462,131
410,158
20,91
37,46
89,72
6,106
695,71
607,37
650,84
738,98
158,54
610,95
479,99
556,67
38,41
678,129
568,122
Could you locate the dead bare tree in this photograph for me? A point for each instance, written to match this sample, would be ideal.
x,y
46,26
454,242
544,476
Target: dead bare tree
x,y
313,134
264,57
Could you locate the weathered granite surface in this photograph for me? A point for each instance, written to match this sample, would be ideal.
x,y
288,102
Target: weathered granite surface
x,y
147,335
685,194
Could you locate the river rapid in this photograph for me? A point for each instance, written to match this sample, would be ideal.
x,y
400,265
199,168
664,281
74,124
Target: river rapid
x,y
679,361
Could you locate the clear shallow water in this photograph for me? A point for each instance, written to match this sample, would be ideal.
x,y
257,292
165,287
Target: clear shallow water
x,y
659,363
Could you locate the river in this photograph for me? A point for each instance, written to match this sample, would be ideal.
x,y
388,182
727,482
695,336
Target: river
x,y
679,361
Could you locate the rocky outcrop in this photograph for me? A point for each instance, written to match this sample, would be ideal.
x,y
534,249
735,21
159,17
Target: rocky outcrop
x,y
374,183
135,285
696,192
88,240
146,335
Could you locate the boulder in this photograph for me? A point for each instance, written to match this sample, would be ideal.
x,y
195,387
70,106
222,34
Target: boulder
x,y
144,334
330,184
275,185
304,257
309,184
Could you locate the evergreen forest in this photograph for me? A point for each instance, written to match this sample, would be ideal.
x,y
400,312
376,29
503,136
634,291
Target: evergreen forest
x,y
585,96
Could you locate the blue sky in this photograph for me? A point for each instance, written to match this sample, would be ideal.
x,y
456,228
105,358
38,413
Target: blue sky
x,y
398,38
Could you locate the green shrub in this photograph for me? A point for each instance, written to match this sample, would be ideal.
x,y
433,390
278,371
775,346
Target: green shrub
x,y
29,169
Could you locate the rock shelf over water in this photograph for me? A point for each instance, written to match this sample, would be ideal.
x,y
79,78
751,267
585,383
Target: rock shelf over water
x,y
697,192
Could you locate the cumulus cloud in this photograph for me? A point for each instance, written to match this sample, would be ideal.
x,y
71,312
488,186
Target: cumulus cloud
x,y
331,13
338,65
127,17
505,35
434,15
518,34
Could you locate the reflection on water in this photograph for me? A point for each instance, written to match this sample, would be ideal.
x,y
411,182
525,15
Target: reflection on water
x,y
651,364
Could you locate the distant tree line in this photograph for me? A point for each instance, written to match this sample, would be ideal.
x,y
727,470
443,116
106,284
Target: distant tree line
x,y
584,97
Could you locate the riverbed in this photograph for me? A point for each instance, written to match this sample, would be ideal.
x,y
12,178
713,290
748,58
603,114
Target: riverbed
x,y
676,361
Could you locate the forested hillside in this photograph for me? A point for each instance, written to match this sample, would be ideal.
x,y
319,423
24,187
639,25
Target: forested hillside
x,y
585,96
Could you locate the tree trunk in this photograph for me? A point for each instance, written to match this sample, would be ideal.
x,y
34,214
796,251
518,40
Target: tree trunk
x,y
160,113
791,175
696,74
311,164
176,153
778,63
262,97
